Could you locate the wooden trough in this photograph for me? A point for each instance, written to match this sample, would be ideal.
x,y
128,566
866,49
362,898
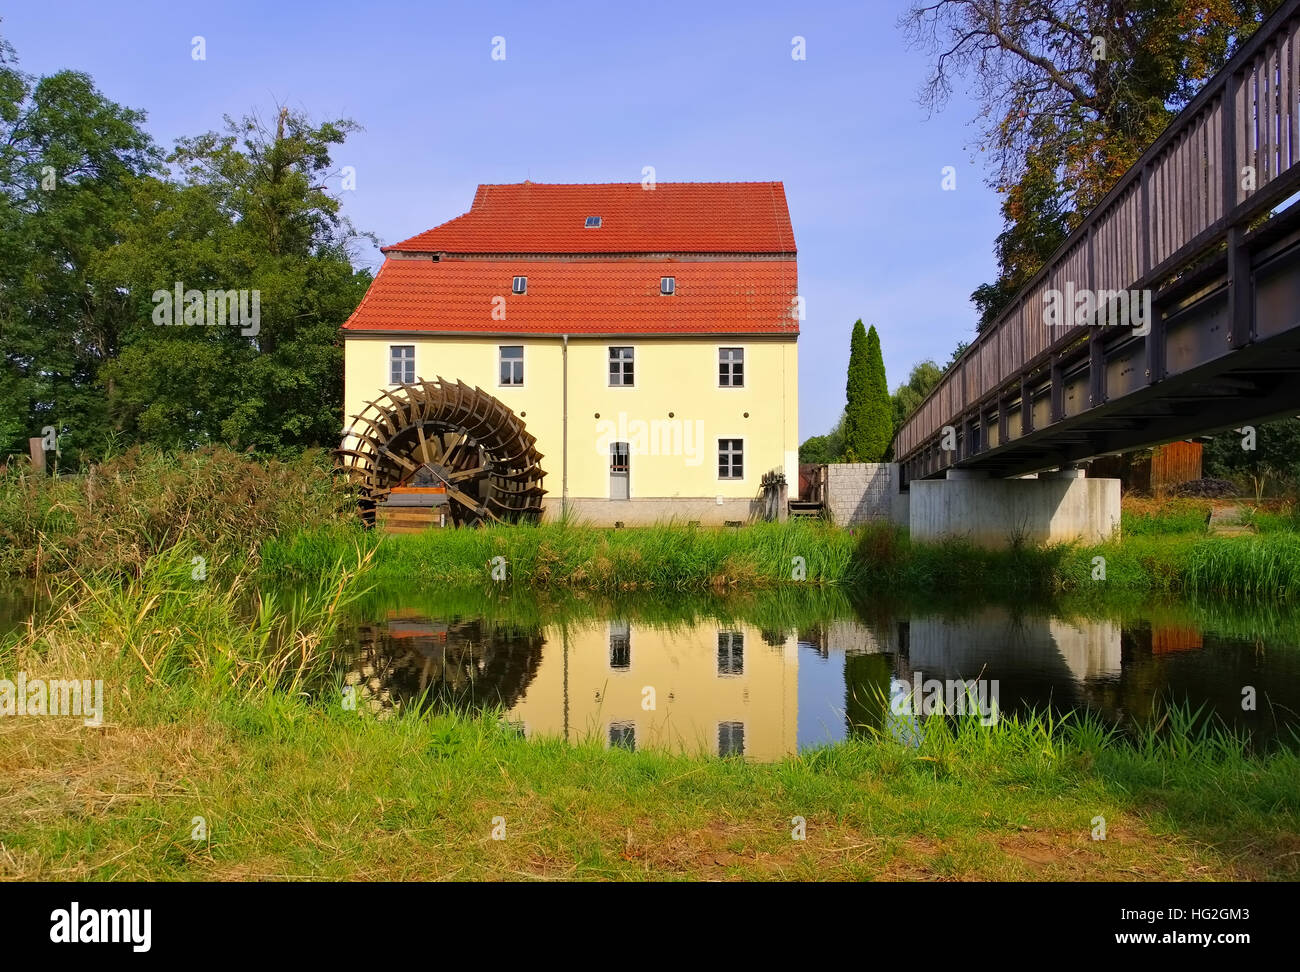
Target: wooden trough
x,y
413,509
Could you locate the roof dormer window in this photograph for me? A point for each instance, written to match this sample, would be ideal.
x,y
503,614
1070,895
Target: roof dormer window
x,y
667,286
593,222
520,285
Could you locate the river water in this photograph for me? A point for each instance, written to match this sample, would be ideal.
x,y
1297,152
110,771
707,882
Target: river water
x,y
767,678
770,676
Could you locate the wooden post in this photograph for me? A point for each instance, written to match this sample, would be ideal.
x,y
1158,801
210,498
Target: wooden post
x,y
36,446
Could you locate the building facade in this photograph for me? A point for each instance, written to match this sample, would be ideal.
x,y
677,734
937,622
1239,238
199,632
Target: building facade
x,y
646,337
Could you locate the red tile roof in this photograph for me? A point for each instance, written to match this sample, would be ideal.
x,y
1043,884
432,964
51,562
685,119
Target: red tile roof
x,y
582,297
674,217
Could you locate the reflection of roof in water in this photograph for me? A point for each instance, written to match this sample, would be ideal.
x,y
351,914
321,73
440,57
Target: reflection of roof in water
x,y
413,628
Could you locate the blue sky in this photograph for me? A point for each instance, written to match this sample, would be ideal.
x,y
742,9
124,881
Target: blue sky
x,y
592,92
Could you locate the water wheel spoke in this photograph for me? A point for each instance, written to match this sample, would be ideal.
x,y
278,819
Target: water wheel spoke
x,y
423,451
470,503
464,474
461,434
449,458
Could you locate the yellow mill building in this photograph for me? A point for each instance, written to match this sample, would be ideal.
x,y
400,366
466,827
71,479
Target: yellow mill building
x,y
623,353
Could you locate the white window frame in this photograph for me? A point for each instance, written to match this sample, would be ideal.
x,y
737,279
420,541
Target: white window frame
x,y
718,364
523,369
609,485
609,351
671,283
413,360
744,459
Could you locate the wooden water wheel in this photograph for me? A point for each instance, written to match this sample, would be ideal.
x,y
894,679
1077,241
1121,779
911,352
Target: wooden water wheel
x,y
449,435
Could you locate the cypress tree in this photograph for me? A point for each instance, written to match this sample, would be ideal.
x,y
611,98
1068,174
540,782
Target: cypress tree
x,y
879,410
869,412
856,393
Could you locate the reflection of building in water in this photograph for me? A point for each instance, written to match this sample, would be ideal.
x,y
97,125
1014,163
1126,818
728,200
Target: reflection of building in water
x,y
721,688
870,653
1032,657
466,664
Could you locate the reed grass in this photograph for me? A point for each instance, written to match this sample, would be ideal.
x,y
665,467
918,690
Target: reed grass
x,y
165,630
115,515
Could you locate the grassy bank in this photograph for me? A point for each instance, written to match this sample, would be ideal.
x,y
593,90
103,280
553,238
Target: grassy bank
x,y
289,520
114,516
242,724
769,556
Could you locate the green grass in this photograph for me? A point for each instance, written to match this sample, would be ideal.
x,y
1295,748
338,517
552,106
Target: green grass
x,y
291,790
115,515
554,559
1285,519
552,556
1173,516
226,710
222,702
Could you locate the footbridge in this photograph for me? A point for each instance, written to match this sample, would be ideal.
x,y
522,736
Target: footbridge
x,y
1172,310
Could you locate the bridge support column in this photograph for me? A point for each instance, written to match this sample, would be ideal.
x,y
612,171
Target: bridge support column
x,y
1054,508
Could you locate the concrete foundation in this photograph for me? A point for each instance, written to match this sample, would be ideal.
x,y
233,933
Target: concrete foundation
x,y
1054,508
644,511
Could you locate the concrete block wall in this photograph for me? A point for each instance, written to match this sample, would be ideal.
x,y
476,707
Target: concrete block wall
x,y
864,492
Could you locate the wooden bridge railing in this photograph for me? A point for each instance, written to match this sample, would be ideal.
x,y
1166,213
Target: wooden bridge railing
x,y
1217,166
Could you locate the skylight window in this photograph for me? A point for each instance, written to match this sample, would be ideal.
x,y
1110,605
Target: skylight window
x,y
667,286
593,222
520,285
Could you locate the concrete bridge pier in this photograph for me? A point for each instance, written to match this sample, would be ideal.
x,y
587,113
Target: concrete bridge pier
x,y
1049,508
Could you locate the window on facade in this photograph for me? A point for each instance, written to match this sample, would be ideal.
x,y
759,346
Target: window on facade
x,y
622,735
512,365
731,653
620,366
620,456
731,367
731,459
667,286
620,646
519,286
593,222
731,739
401,364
